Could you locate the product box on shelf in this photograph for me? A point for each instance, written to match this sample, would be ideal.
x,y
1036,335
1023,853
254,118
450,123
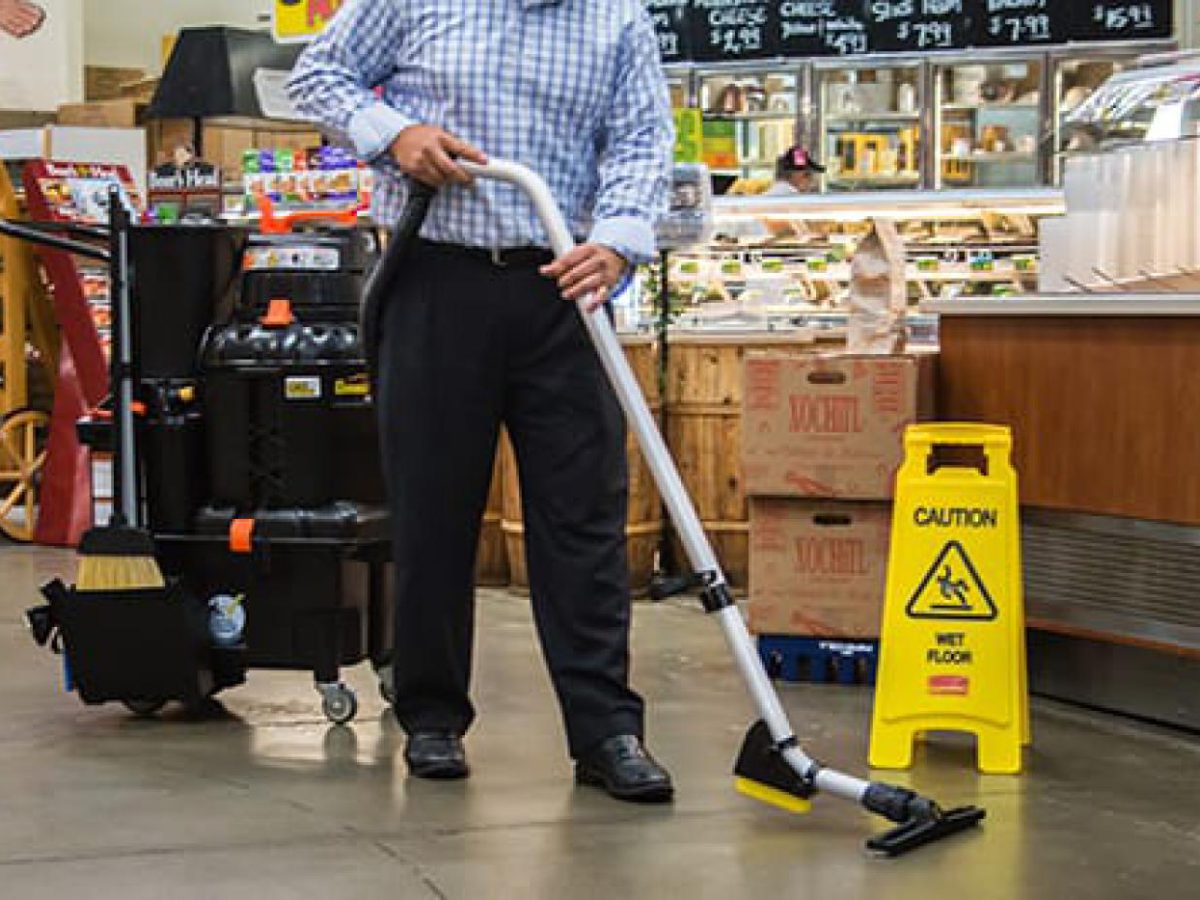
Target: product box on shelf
x,y
818,568
831,425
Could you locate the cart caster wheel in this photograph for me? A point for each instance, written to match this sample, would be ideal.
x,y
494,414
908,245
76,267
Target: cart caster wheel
x,y
144,709
339,703
387,684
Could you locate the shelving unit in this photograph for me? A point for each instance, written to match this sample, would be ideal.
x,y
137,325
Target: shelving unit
x,y
27,331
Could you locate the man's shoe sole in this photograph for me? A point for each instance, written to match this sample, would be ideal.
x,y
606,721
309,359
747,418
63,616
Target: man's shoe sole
x,y
444,771
651,793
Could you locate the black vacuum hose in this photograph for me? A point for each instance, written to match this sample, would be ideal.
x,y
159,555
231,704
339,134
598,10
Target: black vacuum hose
x,y
381,284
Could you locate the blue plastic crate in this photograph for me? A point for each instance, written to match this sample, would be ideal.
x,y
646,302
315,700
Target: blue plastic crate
x,y
820,660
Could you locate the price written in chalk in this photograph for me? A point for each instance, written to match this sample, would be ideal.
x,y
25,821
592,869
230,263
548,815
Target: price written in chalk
x,y
1106,20
1020,22
1019,29
670,19
1121,18
734,29
737,41
918,24
821,27
927,35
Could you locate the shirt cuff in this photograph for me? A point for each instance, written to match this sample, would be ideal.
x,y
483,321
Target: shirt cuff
x,y
374,128
630,236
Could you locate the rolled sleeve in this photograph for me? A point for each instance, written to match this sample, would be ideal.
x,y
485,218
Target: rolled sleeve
x,y
630,236
373,129
335,79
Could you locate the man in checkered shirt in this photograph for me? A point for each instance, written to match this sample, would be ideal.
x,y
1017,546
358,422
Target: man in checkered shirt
x,y
484,330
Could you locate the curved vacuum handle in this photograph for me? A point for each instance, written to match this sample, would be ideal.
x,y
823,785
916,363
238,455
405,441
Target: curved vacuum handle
x,y
624,381
534,187
379,287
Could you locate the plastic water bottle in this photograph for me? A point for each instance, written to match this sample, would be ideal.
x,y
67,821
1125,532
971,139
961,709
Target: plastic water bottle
x,y
226,619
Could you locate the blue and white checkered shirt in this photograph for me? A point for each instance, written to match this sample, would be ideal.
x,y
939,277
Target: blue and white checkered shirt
x,y
573,89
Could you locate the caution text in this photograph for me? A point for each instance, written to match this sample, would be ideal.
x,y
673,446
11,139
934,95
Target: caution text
x,y
955,517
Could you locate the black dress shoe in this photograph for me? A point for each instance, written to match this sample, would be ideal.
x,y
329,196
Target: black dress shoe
x,y
436,754
622,767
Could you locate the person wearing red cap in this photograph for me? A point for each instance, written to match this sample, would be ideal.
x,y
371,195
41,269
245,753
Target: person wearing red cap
x,y
795,173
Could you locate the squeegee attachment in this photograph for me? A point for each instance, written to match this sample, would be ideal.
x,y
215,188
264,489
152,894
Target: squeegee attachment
x,y
763,774
772,766
921,820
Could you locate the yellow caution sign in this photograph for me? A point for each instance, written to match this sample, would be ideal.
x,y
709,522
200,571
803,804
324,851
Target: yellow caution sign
x,y
953,639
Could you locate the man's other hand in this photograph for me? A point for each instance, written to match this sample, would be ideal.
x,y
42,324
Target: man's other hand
x,y
588,269
428,154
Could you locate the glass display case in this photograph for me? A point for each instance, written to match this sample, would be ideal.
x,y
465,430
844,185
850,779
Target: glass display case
x,y
1075,81
750,119
780,259
679,83
996,119
1140,104
870,125
989,123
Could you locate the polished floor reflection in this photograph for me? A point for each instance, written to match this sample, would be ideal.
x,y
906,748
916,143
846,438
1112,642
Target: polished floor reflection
x,y
268,801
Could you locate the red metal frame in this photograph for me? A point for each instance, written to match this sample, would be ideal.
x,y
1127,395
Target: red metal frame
x,y
66,491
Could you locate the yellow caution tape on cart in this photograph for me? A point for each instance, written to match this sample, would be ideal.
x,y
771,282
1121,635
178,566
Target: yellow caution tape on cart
x,y
953,639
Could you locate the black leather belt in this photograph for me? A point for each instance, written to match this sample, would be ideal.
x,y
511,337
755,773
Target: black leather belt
x,y
503,258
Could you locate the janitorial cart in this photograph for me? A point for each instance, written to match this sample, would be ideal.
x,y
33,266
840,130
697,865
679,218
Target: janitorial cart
x,y
245,464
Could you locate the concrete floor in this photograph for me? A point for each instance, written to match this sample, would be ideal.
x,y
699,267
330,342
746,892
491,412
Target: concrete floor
x,y
269,801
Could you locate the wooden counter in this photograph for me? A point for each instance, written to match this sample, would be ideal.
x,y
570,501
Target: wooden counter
x,y
1103,396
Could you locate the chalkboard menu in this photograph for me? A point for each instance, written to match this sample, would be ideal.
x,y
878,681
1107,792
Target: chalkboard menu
x,y
1121,20
730,30
920,25
823,28
1021,23
733,30
672,21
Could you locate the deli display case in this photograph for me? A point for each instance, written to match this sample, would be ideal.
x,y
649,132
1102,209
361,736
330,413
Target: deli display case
x,y
871,124
989,121
749,119
785,261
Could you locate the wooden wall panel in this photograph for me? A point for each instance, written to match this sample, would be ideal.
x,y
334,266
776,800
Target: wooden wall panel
x,y
1105,410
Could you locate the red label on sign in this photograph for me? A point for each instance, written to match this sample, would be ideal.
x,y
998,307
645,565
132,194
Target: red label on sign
x,y
949,685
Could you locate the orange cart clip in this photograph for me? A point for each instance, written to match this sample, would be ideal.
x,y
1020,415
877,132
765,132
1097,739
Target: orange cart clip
x,y
241,536
271,223
279,313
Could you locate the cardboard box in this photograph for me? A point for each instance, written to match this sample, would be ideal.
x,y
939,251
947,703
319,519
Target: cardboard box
x,y
831,425
109,83
818,568
103,114
225,145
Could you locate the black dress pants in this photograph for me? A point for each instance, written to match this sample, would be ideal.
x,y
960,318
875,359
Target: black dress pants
x,y
466,345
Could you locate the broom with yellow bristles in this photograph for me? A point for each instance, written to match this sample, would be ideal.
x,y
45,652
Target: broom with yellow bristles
x,y
119,556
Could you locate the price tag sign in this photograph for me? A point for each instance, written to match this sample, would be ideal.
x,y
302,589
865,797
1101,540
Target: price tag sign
x,y
296,21
823,28
1117,20
1018,23
671,22
919,25
730,30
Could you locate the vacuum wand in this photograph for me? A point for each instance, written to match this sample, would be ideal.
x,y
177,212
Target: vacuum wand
x,y
772,766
